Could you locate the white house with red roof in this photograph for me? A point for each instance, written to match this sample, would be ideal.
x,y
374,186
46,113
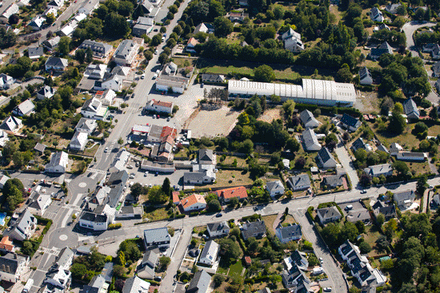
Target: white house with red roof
x,y
194,202
160,106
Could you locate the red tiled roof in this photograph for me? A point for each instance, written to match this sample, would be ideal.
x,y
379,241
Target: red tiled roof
x,y
166,131
192,199
162,104
248,259
239,192
176,198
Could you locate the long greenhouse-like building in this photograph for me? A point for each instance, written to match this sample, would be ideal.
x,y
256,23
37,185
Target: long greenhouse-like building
x,y
312,91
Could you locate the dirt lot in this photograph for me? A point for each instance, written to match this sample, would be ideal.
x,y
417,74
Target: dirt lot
x,y
270,115
213,123
367,102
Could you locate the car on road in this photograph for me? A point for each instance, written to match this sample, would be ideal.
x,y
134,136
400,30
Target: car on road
x,y
106,150
155,76
157,173
321,260
219,215
363,191
327,289
146,174
142,76
168,119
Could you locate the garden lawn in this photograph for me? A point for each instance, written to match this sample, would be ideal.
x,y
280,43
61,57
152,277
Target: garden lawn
x,y
370,236
419,167
226,178
236,269
153,214
269,220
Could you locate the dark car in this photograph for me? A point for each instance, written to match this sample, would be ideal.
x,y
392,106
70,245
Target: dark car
x,y
219,215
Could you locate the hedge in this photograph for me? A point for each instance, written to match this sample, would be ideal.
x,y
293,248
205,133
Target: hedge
x,y
114,226
310,213
328,110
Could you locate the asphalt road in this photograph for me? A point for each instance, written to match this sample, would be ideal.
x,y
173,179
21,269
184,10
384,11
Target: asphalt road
x,y
409,28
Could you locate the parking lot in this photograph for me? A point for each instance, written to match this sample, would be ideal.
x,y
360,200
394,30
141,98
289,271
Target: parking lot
x,y
153,179
356,206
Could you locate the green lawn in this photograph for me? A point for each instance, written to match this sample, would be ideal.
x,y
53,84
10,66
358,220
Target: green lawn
x,y
236,269
226,178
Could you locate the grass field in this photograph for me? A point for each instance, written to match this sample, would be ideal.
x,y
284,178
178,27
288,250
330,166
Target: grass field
x,y
236,269
283,73
370,236
230,178
419,167
153,214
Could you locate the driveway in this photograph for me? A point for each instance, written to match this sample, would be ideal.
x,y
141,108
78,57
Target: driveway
x,y
331,268
347,163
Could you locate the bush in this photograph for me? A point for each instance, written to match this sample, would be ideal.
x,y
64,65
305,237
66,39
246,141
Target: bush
x,y
114,226
365,247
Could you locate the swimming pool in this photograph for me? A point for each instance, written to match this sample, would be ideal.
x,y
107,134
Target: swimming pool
x,y
2,218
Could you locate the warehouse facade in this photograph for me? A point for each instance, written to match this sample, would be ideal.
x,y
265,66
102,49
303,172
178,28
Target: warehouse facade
x,y
312,91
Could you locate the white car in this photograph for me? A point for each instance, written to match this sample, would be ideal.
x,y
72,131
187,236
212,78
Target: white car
x,y
146,173
327,289
321,260
106,150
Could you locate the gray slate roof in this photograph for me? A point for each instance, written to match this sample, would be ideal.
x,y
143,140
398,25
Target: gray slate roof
x,y
55,61
329,212
293,230
249,229
299,180
307,116
156,235
35,52
199,283
10,262
274,185
124,49
350,121
404,195
309,138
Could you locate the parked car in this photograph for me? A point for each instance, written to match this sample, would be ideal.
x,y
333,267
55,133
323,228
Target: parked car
x,y
219,215
106,150
327,289
363,191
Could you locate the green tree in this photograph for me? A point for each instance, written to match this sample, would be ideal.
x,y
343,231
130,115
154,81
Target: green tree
x,y
344,74
166,187
64,45
50,18
364,247
121,258
214,206
293,145
223,27
397,123
422,185
80,55
401,167
229,248
264,73
78,271
289,108
156,195
233,202
164,261
136,189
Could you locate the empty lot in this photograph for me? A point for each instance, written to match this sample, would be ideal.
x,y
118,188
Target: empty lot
x,y
213,123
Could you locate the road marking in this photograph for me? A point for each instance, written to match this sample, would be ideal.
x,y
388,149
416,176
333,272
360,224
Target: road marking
x,y
82,184
63,237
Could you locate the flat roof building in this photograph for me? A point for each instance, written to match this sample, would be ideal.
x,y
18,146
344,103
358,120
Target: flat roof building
x,y
312,91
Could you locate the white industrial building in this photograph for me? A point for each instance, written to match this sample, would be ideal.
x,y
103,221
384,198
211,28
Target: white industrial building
x,y
312,91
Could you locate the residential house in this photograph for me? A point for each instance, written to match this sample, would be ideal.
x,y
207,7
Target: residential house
x,y
51,10
410,109
209,253
100,50
392,7
365,76
237,16
45,92
88,7
310,140
395,148
40,148
37,22
428,48
135,285
24,109
3,179
148,264
219,229
328,215
404,199
158,237
78,141
244,3
96,285
52,43
129,211
97,220
253,229
191,45
13,267
383,48
308,119
389,211
382,26
6,245
376,15
325,159
11,123
106,97
199,176
299,182
147,6
40,201
3,138
59,275
113,82
207,157
194,202
275,188
143,26
6,81
225,195
86,125
362,215
199,283
95,71
126,52
360,144
436,69
176,199
94,109
295,280
213,78
333,181
22,226
159,106
204,28
55,4
435,53
289,233
382,148
350,123
378,170
12,9
56,64
360,266
170,77
297,258
294,44
58,163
